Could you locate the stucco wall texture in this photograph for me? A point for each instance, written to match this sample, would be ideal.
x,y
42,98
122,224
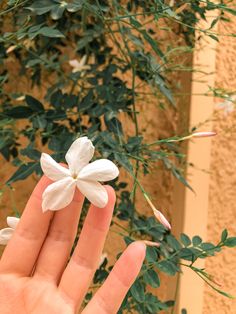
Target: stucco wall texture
x,y
222,196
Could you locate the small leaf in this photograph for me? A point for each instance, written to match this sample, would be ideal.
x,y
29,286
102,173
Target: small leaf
x,y
151,254
230,242
123,160
33,103
152,278
167,267
57,11
23,172
41,7
19,112
187,254
173,242
206,246
214,37
196,240
224,235
185,239
137,291
176,172
50,32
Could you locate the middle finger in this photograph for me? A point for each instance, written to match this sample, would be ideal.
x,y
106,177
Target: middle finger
x,y
59,241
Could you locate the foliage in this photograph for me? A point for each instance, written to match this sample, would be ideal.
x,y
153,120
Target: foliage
x,y
116,40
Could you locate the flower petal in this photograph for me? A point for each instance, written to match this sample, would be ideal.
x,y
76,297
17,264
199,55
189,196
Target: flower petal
x,y
79,154
83,60
12,222
95,192
5,235
99,170
74,63
52,169
58,194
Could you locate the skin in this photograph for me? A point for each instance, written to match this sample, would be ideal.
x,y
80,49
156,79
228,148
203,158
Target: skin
x,y
35,275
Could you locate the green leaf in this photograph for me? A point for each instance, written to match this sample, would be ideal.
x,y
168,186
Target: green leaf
x,y
214,37
224,235
50,32
151,254
185,239
176,172
19,112
123,160
173,242
39,122
137,291
74,7
87,102
167,267
230,242
57,11
153,43
23,172
32,153
187,254
41,7
196,240
34,104
151,278
113,125
206,246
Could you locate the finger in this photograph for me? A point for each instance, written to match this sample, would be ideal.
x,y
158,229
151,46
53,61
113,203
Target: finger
x,y
59,241
110,296
22,250
84,262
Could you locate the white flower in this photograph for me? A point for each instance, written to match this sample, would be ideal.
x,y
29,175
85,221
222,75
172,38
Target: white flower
x,y
80,174
79,66
6,233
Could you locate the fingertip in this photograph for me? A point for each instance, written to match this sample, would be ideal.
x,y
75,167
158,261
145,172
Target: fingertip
x,y
138,249
111,194
129,264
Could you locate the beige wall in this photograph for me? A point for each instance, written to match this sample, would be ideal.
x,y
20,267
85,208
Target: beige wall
x,y
222,194
213,177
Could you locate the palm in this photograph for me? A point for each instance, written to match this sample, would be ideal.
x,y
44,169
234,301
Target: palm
x,y
35,275
29,295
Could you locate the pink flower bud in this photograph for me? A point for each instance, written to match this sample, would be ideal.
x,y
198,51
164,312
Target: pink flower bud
x,y
203,134
159,216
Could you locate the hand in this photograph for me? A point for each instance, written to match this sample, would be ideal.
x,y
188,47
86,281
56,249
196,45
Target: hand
x,y
35,275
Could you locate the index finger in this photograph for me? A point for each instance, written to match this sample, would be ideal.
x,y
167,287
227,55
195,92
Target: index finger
x,y
110,295
23,249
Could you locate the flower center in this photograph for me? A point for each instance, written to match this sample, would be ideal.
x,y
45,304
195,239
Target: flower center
x,y
74,176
